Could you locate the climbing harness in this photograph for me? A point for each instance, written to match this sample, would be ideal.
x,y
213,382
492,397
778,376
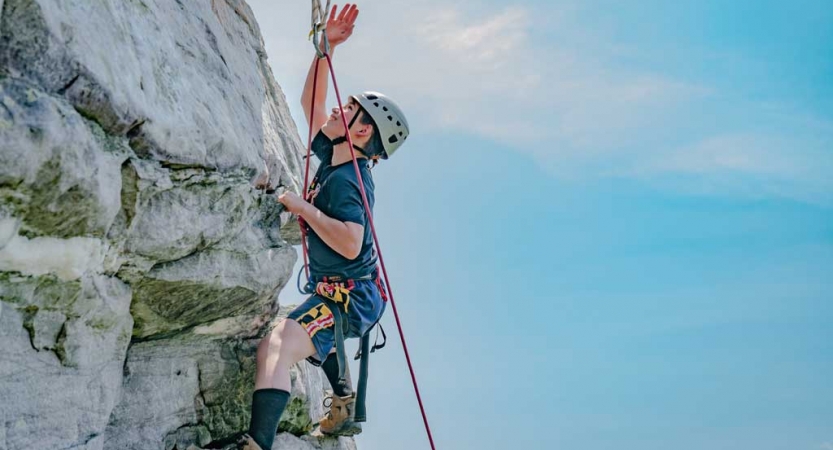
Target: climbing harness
x,y
319,18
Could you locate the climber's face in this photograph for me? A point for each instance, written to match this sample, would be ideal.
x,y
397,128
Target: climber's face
x,y
334,127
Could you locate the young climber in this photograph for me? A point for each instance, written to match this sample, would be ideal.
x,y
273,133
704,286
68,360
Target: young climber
x,y
341,257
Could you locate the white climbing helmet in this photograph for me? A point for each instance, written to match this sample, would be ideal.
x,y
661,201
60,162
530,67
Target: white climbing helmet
x,y
390,122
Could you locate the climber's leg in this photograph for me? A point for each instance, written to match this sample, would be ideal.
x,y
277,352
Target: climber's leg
x,y
364,310
339,418
330,367
287,344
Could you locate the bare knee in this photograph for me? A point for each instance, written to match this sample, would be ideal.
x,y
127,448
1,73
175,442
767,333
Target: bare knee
x,y
270,344
263,350
281,342
280,335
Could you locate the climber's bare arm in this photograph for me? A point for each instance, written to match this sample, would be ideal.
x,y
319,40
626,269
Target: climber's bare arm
x,y
343,237
320,116
339,29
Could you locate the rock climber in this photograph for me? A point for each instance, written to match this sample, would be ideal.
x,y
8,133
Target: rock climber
x,y
342,260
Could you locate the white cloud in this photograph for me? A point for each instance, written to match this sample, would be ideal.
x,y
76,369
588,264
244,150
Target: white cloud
x,y
535,80
469,68
747,153
489,41
750,165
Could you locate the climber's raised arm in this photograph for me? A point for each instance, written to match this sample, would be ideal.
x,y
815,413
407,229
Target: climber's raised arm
x,y
339,29
320,116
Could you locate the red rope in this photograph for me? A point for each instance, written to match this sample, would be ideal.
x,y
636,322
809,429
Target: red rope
x,y
372,229
306,171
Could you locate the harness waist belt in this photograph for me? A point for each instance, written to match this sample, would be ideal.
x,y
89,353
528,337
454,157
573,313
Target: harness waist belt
x,y
341,279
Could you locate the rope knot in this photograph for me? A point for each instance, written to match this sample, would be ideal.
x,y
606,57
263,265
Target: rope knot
x,y
318,27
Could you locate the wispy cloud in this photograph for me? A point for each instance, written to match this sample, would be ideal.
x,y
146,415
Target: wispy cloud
x,y
480,71
568,101
471,68
490,40
793,161
743,153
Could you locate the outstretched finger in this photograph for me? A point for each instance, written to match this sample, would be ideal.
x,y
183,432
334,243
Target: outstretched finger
x,y
349,16
344,12
333,13
353,15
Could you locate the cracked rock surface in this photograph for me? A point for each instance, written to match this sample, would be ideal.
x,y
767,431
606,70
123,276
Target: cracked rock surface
x,y
139,265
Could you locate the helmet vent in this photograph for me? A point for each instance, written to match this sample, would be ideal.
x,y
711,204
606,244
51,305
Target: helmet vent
x,y
398,123
372,97
376,104
400,133
384,108
392,139
390,118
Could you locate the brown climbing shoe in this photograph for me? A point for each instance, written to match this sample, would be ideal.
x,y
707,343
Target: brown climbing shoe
x,y
339,419
246,442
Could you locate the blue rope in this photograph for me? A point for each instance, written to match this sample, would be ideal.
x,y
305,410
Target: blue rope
x,y
308,288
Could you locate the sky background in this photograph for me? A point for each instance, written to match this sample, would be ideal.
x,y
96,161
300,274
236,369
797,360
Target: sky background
x,y
611,227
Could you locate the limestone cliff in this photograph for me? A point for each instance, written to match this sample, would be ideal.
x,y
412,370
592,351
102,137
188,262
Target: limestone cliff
x,y
138,264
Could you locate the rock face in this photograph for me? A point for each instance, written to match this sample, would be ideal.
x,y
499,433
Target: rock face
x,y
196,387
139,266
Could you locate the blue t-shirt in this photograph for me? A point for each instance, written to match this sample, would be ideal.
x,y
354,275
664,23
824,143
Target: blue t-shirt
x,y
335,191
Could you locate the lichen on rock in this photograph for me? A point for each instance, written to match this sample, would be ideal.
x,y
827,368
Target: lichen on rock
x,y
139,266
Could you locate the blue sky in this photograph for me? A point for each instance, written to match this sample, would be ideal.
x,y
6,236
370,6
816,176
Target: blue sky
x,y
612,226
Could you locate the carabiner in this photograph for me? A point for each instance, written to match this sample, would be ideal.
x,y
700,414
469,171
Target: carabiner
x,y
316,31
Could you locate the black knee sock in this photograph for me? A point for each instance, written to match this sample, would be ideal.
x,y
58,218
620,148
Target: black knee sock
x,y
330,367
267,407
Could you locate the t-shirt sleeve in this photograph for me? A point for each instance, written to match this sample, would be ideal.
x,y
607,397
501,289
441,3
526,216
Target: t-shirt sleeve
x,y
347,204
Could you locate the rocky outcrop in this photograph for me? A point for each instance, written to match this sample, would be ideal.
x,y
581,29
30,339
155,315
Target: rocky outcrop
x,y
61,358
139,265
196,388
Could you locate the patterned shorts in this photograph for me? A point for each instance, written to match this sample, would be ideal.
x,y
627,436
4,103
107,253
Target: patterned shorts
x,y
362,301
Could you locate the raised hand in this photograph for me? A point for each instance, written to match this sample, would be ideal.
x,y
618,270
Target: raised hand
x,y
340,28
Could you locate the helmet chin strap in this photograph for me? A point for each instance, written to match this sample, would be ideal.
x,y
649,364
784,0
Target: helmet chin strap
x,y
343,139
